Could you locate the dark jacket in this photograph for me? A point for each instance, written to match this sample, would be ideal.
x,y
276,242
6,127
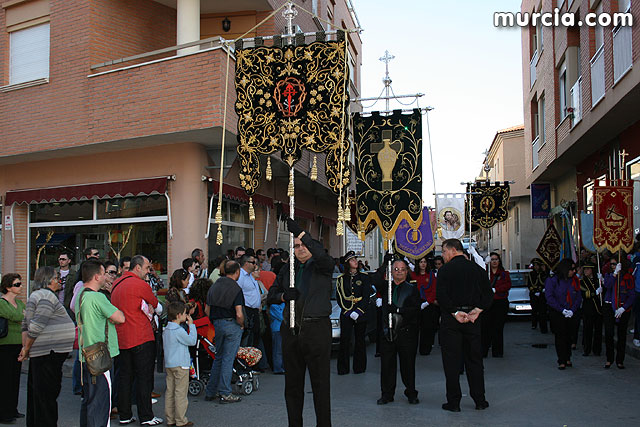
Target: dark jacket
x,y
68,286
535,281
501,282
405,302
590,300
463,283
353,293
563,294
314,284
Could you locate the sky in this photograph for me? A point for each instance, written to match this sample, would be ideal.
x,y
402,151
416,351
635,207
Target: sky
x,y
469,71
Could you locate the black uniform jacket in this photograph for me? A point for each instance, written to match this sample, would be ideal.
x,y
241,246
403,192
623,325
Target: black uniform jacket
x,y
314,284
353,293
463,283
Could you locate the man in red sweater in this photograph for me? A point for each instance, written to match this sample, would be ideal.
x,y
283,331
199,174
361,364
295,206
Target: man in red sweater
x,y
131,295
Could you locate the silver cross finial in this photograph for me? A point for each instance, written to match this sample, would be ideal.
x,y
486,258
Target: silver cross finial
x,y
289,13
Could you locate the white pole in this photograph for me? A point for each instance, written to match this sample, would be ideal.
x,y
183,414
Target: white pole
x,y
389,291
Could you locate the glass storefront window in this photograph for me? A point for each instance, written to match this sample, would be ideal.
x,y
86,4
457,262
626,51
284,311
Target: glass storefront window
x,y
61,211
634,173
114,241
129,207
237,230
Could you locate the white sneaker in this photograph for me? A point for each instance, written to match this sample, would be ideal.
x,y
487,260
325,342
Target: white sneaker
x,y
636,343
155,421
632,331
154,401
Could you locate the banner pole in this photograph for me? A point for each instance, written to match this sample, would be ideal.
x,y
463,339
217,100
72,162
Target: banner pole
x,y
389,291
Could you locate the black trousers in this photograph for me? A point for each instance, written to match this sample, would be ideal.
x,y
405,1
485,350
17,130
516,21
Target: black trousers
x,y
96,399
592,332
403,348
619,327
347,329
429,322
10,374
43,387
379,329
136,363
577,316
562,329
493,327
462,343
309,349
538,311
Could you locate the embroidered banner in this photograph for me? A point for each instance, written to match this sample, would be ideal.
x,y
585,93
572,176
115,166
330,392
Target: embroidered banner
x,y
451,216
613,218
354,223
388,169
490,205
540,200
289,98
415,243
586,228
549,248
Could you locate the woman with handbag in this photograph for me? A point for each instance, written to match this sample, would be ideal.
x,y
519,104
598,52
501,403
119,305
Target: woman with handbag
x,y
11,315
47,336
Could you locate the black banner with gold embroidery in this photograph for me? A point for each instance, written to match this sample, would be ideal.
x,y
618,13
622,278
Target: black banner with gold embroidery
x,y
388,152
549,248
290,98
489,203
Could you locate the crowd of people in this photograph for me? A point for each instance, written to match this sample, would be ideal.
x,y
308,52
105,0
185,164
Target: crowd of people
x,y
244,297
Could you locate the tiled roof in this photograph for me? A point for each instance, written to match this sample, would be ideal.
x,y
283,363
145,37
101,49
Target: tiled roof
x,y
511,129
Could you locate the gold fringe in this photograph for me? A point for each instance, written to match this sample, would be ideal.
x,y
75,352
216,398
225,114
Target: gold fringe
x,y
314,168
219,239
290,190
269,174
252,212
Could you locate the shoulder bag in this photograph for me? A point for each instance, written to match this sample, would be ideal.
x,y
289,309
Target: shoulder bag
x,y
96,356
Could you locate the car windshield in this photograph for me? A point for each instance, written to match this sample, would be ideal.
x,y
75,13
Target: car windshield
x,y
518,279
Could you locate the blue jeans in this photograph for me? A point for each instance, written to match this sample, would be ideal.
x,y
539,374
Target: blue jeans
x,y
76,384
228,335
276,343
96,399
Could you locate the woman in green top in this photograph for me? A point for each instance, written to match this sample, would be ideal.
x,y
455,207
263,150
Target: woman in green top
x,y
11,309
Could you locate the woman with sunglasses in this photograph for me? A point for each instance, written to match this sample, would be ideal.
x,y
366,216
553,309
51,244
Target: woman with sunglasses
x,y
11,309
563,299
619,297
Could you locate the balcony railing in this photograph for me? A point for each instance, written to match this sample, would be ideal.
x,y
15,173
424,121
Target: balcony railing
x,y
532,68
535,149
576,102
597,76
622,52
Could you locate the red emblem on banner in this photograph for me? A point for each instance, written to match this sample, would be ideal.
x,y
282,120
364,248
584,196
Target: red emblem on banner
x,y
613,218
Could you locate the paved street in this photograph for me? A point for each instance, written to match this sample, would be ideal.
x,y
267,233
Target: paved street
x,y
524,388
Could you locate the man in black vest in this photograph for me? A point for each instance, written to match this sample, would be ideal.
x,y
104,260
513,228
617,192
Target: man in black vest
x,y
401,340
308,344
353,290
463,292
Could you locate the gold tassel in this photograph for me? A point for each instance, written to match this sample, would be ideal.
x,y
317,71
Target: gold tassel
x,y
252,212
268,171
290,191
314,169
218,218
386,245
219,235
339,229
361,235
346,213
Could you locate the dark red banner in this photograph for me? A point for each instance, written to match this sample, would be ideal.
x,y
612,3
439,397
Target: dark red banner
x,y
613,218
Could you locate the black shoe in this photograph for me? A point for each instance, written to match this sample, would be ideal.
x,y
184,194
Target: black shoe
x,y
19,415
414,400
343,373
499,356
384,400
377,354
7,420
482,405
533,327
607,365
620,365
451,407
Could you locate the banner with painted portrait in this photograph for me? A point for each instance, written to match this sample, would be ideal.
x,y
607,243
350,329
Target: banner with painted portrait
x,y
451,215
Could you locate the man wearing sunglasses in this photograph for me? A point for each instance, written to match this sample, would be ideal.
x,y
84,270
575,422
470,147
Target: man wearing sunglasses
x,y
66,272
308,344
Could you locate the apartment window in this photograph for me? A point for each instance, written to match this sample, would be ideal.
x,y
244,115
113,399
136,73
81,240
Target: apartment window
x,y
516,217
540,36
534,120
562,89
29,54
329,16
599,30
633,172
534,41
237,229
624,5
541,119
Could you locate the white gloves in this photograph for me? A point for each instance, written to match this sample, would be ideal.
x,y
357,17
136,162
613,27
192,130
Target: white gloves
x,y
618,269
159,309
567,313
600,278
599,290
537,294
378,302
619,311
424,305
354,316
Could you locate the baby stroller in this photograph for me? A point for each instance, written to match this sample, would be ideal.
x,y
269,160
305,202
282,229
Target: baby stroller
x,y
246,380
202,357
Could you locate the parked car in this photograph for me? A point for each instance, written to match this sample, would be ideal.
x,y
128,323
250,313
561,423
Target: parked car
x,y
519,302
465,243
335,316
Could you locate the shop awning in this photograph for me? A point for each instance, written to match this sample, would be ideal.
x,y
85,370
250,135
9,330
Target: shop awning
x,y
102,190
238,194
329,221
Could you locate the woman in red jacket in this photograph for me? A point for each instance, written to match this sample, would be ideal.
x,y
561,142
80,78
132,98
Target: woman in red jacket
x,y
430,311
493,320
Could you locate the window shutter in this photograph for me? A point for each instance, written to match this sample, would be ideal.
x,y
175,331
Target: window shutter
x,y
29,54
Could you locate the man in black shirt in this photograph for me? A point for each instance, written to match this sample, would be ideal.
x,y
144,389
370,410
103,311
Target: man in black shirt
x,y
225,301
463,292
308,344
